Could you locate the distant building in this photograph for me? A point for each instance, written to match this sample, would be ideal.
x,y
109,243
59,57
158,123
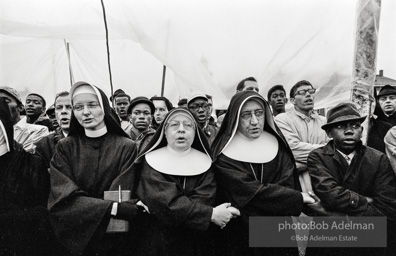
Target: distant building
x,y
381,80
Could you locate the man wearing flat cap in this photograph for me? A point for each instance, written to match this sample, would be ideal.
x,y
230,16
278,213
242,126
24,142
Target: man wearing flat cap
x,y
198,104
387,101
348,177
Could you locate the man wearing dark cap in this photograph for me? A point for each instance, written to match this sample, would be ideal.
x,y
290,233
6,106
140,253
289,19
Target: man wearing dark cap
x,y
14,101
277,99
118,91
140,112
51,115
348,177
198,105
35,107
182,103
24,133
387,101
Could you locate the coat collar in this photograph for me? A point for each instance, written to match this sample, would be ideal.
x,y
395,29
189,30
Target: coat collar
x,y
330,148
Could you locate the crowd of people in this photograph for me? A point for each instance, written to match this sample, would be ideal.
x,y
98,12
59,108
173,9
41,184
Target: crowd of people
x,y
193,177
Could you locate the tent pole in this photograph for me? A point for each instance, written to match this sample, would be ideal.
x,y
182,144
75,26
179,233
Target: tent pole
x,y
108,50
163,81
68,59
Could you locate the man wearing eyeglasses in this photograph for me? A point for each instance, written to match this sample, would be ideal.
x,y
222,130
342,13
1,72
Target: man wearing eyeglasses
x,y
198,104
140,111
302,128
350,178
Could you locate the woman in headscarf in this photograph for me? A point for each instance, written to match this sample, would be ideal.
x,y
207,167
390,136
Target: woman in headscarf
x,y
84,165
255,171
178,187
24,188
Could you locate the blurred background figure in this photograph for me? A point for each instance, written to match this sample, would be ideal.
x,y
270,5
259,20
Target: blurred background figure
x,y
162,106
277,99
121,104
248,84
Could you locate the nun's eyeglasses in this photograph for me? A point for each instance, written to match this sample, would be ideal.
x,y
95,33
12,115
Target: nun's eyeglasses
x,y
174,125
91,105
248,114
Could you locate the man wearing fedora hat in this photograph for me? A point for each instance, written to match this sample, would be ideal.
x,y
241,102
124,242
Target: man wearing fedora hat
x,y
387,101
348,177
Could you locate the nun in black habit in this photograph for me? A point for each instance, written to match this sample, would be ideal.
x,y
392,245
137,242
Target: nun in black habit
x,y
85,164
255,172
178,187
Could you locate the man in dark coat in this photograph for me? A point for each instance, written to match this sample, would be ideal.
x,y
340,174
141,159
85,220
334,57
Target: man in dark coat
x,y
348,177
63,108
387,101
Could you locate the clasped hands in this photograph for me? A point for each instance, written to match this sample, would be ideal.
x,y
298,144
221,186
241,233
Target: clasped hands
x,y
223,213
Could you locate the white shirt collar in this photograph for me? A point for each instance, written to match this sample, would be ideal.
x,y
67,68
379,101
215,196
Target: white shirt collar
x,y
348,157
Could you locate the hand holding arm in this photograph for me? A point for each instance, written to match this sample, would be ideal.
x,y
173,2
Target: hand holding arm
x,y
221,215
234,211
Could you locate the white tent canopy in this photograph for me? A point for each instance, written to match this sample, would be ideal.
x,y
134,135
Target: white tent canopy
x,y
206,45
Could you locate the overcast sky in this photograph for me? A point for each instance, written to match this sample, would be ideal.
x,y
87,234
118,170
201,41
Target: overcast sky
x,y
211,44
387,39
